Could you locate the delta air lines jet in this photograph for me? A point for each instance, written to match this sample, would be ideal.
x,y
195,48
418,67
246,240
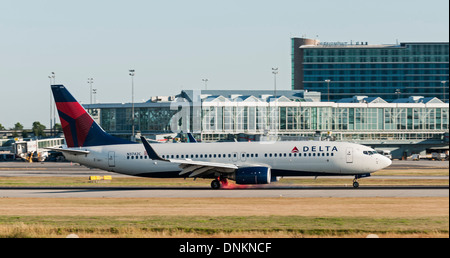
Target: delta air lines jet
x,y
244,162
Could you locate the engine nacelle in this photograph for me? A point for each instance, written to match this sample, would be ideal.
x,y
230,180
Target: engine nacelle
x,y
252,175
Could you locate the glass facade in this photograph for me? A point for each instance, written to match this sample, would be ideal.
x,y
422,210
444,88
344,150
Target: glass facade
x,y
415,122
386,71
339,118
147,119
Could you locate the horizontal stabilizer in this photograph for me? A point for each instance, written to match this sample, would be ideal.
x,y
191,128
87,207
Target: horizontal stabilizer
x,y
70,151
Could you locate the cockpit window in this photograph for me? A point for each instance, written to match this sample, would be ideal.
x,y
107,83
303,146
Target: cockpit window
x,y
369,152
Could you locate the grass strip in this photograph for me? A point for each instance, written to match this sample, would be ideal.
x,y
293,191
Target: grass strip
x,y
222,226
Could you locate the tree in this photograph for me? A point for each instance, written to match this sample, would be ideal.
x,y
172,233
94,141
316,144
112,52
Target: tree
x,y
57,127
18,127
2,127
38,129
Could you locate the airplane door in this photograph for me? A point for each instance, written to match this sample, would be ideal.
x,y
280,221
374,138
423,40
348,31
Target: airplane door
x,y
111,159
349,155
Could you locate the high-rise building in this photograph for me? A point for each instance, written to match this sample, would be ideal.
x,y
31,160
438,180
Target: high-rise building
x,y
342,69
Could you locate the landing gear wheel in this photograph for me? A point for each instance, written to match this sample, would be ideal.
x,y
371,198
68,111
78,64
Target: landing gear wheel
x,y
215,184
355,184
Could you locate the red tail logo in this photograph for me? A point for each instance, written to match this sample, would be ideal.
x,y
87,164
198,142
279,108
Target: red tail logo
x,y
75,122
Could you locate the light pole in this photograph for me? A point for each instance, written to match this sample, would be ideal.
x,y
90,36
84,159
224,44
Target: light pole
x,y
443,88
328,88
275,72
94,91
132,103
90,81
206,83
52,76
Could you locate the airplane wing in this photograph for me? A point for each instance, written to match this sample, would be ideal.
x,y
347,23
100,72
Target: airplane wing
x,y
196,168
71,151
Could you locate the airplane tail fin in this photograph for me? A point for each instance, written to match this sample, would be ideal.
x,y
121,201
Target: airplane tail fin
x,y
79,128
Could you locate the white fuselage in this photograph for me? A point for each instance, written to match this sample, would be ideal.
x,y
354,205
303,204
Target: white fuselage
x,y
284,158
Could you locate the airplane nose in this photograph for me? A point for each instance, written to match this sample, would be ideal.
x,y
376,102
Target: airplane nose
x,y
385,162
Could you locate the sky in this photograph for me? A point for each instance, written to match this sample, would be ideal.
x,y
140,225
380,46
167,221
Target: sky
x,y
172,45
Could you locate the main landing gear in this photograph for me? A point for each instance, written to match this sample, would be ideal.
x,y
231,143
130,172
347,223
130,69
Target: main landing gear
x,y
219,183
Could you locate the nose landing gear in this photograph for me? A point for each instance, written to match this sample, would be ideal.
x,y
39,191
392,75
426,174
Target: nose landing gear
x,y
355,183
355,180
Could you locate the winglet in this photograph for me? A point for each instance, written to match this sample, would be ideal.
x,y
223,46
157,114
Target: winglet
x,y
191,138
150,151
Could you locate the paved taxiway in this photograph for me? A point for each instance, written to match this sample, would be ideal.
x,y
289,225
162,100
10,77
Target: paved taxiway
x,y
266,192
9,169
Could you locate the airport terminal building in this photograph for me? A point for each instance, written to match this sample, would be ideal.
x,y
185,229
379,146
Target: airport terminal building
x,y
404,126
344,69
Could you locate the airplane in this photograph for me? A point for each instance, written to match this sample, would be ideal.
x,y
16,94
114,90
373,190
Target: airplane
x,y
247,163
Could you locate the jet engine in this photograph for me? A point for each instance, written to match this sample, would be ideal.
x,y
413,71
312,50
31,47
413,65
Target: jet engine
x,y
252,175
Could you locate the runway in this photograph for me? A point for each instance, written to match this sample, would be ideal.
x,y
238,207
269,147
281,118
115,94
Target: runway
x,y
254,192
21,169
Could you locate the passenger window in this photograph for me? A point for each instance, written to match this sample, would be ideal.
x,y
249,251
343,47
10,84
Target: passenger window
x,y
265,155
256,155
